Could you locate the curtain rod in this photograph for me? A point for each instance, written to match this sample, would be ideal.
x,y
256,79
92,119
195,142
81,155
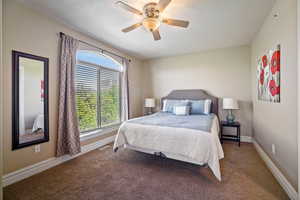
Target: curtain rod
x,y
103,50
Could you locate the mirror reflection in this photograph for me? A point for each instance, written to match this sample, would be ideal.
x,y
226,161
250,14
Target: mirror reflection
x,y
31,100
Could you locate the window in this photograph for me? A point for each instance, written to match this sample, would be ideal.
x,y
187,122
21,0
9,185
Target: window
x,y
97,84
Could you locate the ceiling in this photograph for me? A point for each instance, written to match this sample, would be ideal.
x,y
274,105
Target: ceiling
x,y
213,23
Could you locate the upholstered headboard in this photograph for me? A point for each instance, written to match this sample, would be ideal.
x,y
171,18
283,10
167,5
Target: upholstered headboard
x,y
194,95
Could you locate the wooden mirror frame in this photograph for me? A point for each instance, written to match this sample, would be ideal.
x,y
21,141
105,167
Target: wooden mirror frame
x,y
15,99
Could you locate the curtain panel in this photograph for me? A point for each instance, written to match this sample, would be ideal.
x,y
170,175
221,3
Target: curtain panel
x,y
125,91
68,140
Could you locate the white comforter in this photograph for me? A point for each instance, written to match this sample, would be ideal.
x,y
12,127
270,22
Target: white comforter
x,y
189,145
38,123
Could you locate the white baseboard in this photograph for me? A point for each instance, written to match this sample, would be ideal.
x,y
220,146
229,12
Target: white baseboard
x,y
46,164
285,184
246,139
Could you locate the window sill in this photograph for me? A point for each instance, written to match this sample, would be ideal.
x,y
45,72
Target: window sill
x,y
99,132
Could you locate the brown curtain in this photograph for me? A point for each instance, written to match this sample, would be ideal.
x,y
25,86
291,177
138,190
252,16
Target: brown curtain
x,y
68,141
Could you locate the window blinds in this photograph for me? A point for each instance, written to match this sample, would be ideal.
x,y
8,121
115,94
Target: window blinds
x,y
109,96
97,97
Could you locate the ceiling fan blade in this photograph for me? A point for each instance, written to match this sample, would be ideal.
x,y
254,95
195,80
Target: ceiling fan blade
x,y
175,22
130,28
129,8
156,35
162,4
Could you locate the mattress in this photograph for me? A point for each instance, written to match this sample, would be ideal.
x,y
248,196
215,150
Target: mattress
x,y
193,138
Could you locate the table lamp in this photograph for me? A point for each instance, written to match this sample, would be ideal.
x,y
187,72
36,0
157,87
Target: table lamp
x,y
230,104
149,104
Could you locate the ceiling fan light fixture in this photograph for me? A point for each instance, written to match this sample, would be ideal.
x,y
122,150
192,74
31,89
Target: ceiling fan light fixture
x,y
151,24
153,17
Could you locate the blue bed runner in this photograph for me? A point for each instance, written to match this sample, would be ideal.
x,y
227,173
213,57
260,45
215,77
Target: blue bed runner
x,y
198,122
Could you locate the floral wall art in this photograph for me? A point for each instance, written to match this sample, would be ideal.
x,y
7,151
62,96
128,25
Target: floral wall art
x,y
269,76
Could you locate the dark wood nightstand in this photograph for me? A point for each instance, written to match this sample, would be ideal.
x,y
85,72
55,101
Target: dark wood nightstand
x,y
236,137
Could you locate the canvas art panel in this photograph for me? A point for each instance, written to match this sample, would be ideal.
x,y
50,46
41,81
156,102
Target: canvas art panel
x,y
268,76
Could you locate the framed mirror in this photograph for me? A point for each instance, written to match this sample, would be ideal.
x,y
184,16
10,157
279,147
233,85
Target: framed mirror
x,y
30,120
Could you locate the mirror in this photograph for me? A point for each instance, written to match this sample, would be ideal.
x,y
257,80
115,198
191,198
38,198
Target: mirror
x,y
30,100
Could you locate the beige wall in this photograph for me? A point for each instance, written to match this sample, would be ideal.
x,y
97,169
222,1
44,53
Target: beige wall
x,y
221,72
276,123
28,31
135,88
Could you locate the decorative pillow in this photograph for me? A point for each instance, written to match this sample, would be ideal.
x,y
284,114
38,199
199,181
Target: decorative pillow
x,y
168,104
201,106
181,110
207,106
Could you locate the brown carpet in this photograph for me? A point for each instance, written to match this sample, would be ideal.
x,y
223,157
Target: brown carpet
x,y
129,175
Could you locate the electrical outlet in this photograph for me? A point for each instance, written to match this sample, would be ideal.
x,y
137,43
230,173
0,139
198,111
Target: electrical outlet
x,y
273,149
37,148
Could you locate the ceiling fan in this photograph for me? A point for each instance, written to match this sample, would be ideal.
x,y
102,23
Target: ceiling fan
x,y
152,17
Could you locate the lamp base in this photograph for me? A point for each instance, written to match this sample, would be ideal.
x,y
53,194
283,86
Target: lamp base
x,y
230,118
149,111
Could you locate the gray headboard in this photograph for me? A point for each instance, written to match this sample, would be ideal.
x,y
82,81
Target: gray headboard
x,y
194,95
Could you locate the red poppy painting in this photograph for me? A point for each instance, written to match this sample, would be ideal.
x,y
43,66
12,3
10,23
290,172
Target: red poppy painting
x,y
264,61
262,77
275,62
269,76
274,89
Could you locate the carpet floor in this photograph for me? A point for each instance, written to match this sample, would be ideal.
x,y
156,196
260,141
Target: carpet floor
x,y
129,175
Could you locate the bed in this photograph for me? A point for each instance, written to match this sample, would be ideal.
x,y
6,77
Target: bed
x,y
191,138
38,123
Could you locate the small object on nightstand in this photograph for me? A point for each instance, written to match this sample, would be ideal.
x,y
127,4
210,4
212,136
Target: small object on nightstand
x,y
230,104
236,137
149,104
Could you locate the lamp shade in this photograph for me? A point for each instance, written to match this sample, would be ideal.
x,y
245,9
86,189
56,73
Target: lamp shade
x,y
149,102
230,104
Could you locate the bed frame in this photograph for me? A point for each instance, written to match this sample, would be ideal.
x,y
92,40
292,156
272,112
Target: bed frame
x,y
194,94
197,94
181,95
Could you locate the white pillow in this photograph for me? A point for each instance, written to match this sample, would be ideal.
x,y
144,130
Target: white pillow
x,y
169,104
164,108
207,106
181,110
200,107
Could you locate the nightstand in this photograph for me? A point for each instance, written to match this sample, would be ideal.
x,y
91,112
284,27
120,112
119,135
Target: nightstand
x,y
236,137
